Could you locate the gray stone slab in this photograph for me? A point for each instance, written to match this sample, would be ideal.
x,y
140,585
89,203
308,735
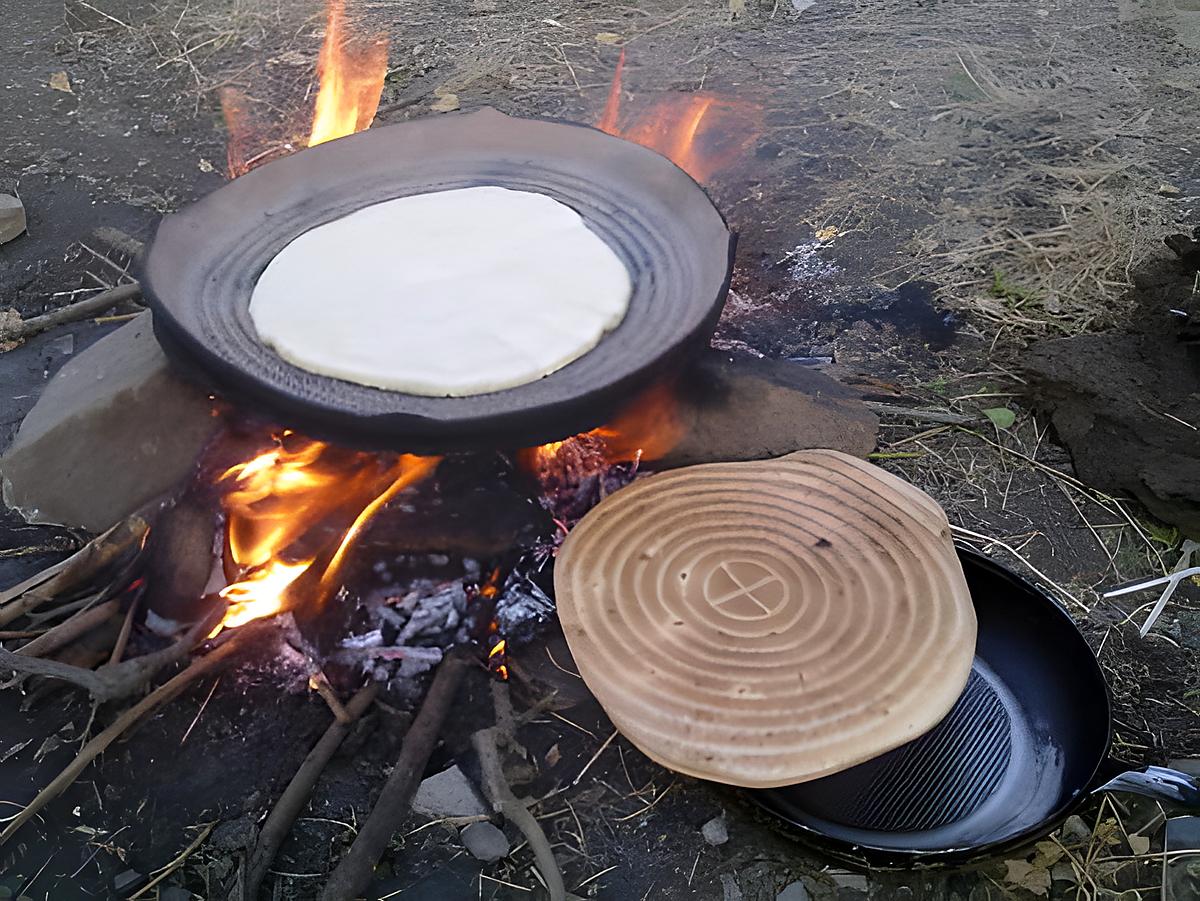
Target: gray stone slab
x,y
113,429
12,218
449,794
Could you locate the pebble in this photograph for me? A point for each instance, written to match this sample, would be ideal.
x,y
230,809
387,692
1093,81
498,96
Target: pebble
x,y
448,794
794,892
12,217
715,831
485,842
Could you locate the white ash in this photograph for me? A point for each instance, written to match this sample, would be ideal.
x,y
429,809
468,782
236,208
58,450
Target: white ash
x,y
805,264
521,609
432,615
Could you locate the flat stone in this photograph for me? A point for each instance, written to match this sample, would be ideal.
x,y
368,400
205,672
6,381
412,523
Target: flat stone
x,y
485,842
794,892
745,408
730,890
235,835
449,794
715,831
12,218
115,428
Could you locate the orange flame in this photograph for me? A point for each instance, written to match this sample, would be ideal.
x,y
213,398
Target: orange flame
x,y
298,505
351,81
702,133
612,107
351,74
497,659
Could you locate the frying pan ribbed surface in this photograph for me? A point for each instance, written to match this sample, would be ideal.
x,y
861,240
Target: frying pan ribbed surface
x,y
1020,748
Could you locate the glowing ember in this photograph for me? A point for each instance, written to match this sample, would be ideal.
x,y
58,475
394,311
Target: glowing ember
x,y
351,81
702,133
647,429
351,73
297,505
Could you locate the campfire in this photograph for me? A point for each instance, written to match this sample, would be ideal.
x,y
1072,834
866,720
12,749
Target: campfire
x,y
291,539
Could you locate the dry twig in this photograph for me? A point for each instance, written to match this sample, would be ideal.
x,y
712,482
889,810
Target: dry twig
x,y
161,695
82,309
79,569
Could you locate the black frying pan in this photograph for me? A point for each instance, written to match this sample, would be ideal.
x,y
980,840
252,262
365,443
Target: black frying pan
x,y
1026,743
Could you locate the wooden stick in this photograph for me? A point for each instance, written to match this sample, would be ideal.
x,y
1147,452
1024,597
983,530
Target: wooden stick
x,y
176,863
33,581
354,872
504,801
80,568
94,748
70,629
294,798
319,683
72,312
122,641
921,415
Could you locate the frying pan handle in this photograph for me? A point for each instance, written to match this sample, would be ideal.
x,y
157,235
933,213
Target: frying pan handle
x,y
1172,787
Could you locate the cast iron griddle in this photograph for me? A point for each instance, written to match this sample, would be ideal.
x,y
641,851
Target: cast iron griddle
x,y
204,261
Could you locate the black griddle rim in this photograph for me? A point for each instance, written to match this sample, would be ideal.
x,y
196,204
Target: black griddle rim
x,y
411,431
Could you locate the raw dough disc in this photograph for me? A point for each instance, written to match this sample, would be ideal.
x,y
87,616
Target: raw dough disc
x,y
444,294
766,623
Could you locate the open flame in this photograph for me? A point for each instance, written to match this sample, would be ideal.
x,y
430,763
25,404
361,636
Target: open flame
x,y
702,133
351,72
646,429
292,513
352,75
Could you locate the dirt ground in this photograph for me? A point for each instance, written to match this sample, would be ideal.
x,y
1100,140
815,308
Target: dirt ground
x,y
1022,159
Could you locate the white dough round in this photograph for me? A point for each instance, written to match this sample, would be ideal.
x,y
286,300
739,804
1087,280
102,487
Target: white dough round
x,y
446,294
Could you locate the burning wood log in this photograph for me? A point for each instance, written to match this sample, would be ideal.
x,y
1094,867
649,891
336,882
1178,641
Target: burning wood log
x,y
298,791
164,693
353,874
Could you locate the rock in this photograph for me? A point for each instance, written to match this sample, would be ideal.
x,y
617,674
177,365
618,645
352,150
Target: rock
x,y
715,831
1126,403
126,879
235,835
796,891
12,217
449,794
849,885
113,429
745,408
730,890
485,842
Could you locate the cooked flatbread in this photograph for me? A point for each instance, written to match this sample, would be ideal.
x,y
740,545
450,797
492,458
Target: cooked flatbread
x,y
766,623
